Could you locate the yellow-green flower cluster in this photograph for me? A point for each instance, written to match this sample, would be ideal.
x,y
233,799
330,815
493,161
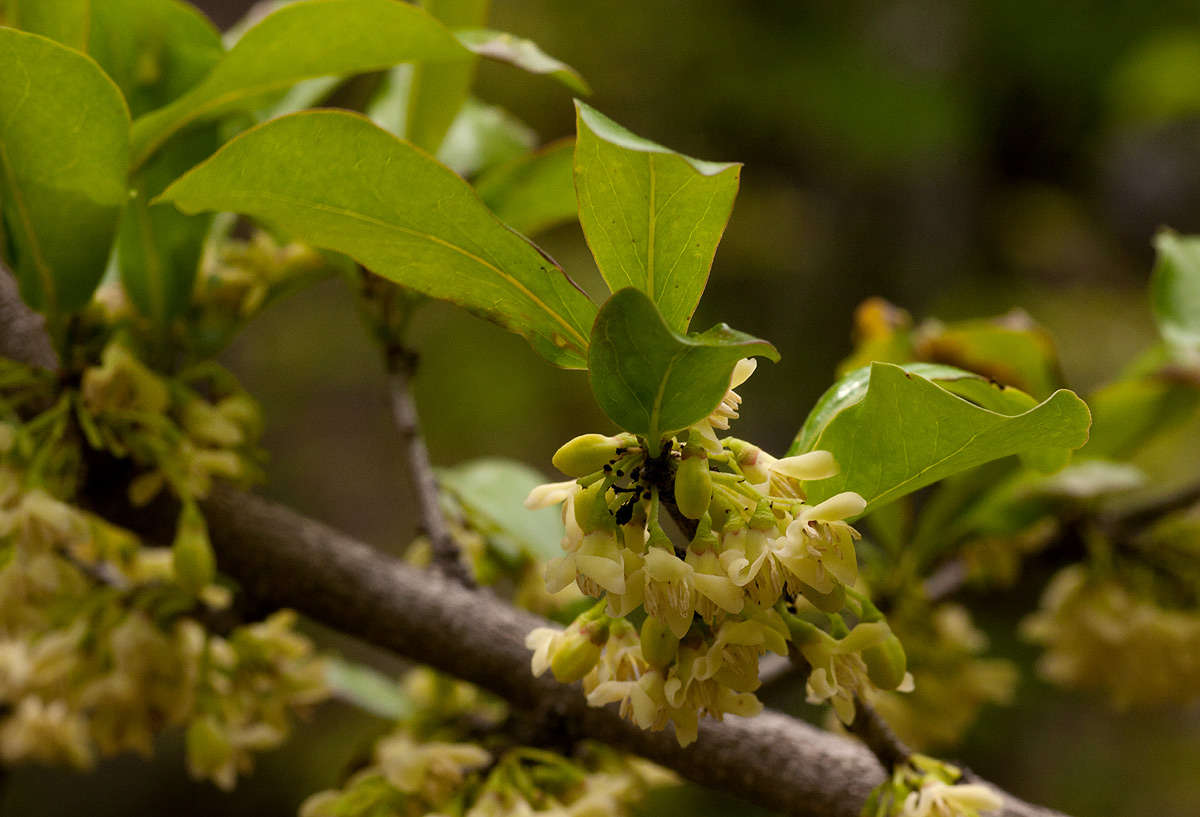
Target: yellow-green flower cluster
x,y
1101,634
103,641
925,787
427,766
714,599
183,431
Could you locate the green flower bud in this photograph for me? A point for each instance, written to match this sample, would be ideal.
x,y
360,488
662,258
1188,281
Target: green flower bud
x,y
589,453
886,663
591,509
659,644
195,566
693,487
578,650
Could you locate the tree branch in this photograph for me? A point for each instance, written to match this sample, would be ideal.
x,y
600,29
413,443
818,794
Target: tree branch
x,y
282,559
401,364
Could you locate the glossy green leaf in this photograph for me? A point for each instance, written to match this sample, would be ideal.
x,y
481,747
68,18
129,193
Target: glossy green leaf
x,y
907,432
155,50
367,688
1175,293
484,136
524,54
438,91
158,247
338,182
492,493
652,380
535,192
852,388
652,217
64,21
305,40
64,154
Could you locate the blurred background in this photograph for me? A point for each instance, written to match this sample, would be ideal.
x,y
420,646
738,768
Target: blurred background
x,y
958,159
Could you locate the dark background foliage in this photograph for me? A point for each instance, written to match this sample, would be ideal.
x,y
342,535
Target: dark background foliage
x,y
958,159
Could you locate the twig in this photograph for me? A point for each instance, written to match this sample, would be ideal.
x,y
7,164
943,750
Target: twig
x,y
401,364
873,730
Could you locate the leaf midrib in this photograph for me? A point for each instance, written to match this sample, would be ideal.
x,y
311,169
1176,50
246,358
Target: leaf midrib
x,y
366,219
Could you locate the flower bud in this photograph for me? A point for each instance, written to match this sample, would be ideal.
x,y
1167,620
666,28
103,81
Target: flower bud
x,y
659,644
191,553
589,453
591,509
886,663
208,748
693,486
578,650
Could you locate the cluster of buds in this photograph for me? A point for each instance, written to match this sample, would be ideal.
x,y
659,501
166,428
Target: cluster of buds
x,y
954,681
426,766
103,642
924,787
1101,634
755,567
185,431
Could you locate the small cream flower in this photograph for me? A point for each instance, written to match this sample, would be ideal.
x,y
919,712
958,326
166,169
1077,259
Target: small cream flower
x,y
938,799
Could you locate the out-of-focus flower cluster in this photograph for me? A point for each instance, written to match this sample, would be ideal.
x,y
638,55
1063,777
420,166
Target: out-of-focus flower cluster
x,y
1102,634
434,763
924,787
762,569
104,641
953,681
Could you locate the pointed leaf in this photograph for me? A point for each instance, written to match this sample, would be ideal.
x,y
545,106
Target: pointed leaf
x,y
535,192
302,41
64,154
438,91
653,381
1175,293
338,182
652,217
367,688
524,54
907,432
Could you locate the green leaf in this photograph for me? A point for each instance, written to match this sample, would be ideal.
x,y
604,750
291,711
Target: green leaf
x,y
907,432
652,217
483,136
524,54
367,688
1175,293
653,381
64,153
852,388
64,21
301,41
338,182
492,494
158,247
535,192
155,50
437,92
